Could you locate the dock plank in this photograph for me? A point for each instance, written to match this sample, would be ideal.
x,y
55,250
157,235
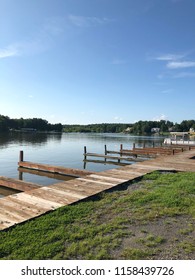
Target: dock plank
x,y
28,207
17,184
119,175
54,169
107,179
67,193
95,180
16,208
37,201
80,190
6,222
53,195
93,185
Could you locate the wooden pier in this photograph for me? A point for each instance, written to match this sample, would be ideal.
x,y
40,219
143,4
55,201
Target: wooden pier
x,y
37,200
124,155
136,154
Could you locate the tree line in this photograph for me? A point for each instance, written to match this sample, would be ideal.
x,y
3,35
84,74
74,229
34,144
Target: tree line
x,y
96,128
38,124
138,128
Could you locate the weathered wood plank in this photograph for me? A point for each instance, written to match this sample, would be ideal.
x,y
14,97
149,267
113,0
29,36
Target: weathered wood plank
x,y
12,215
107,178
131,172
67,193
46,174
28,207
53,196
17,208
95,180
43,203
124,177
125,158
73,188
6,222
17,184
92,184
54,169
107,162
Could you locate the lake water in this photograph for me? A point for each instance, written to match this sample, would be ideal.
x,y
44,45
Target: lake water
x,y
64,149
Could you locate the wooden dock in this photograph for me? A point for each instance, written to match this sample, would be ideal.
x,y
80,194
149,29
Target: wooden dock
x,y
136,154
35,201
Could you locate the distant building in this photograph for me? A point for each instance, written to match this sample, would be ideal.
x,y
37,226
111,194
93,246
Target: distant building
x,y
128,129
155,130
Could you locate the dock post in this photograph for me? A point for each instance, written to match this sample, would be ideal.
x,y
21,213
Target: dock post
x,y
121,149
144,145
153,144
21,157
21,176
85,152
105,152
105,149
133,146
173,152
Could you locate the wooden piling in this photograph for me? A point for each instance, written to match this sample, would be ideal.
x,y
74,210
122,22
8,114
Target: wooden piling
x,y
21,157
85,152
121,149
105,152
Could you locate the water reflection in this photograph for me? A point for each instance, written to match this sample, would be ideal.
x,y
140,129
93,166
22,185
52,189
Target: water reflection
x,y
56,177
17,138
64,149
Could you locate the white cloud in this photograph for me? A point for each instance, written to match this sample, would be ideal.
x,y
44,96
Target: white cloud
x,y
160,118
168,57
38,42
180,64
82,21
34,45
8,52
176,62
184,75
118,118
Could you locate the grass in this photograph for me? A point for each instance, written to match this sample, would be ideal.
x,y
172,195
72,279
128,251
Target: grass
x,y
153,218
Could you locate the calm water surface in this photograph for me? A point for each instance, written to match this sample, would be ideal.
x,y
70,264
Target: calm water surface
x,y
64,149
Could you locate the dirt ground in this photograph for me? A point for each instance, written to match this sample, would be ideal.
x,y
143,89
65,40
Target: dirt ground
x,y
177,239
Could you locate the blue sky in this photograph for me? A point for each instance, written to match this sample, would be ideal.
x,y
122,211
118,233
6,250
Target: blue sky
x,y
97,61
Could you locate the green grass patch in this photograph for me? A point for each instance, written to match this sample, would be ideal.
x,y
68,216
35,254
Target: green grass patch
x,y
97,229
151,240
